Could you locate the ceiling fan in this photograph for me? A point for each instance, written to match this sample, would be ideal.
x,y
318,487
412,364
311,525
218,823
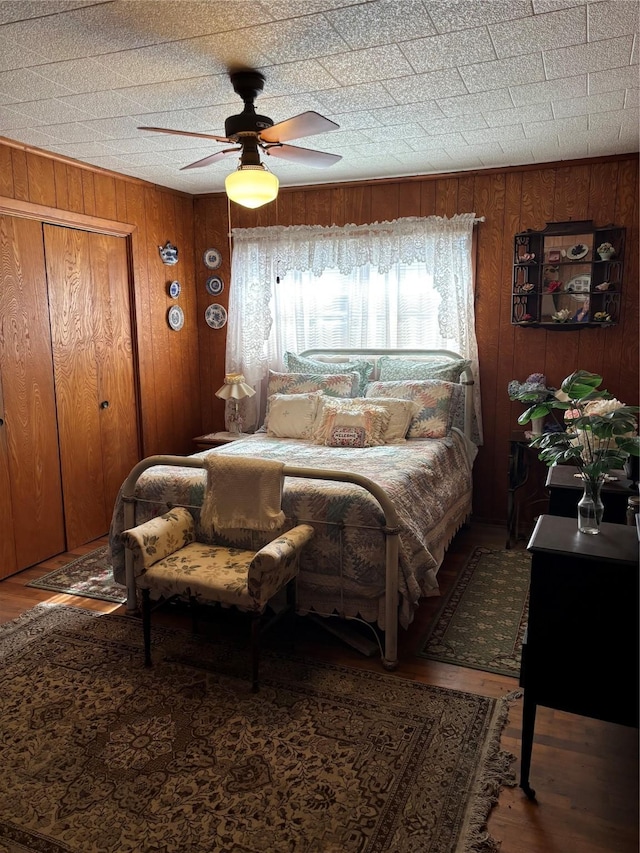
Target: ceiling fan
x,y
252,133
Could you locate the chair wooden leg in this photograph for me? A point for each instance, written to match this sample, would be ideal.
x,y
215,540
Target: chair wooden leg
x,y
255,650
146,625
291,607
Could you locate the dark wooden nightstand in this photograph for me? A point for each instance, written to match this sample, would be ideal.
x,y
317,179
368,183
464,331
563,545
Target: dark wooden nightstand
x,y
215,439
580,652
565,490
525,486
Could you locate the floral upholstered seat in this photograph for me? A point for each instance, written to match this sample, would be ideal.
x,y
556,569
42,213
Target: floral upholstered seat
x,y
168,561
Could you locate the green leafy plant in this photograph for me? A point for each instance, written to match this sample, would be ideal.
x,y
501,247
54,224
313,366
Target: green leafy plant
x,y
597,433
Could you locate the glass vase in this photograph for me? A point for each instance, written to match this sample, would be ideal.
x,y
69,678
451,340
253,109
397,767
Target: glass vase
x,y
590,506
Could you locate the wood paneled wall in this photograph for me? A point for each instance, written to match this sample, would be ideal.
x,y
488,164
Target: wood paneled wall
x,y
46,187
511,200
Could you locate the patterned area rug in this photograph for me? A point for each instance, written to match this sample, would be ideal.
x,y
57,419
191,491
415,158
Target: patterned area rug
x,y
482,621
99,753
90,576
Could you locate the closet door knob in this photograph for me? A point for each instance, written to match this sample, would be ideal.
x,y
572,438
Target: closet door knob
x,y
104,404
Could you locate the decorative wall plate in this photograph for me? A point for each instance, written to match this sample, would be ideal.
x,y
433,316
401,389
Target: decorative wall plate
x,y
174,289
216,316
175,318
577,252
214,285
212,259
579,284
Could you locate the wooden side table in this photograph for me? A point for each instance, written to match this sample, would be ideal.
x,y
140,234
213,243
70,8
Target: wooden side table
x,y
580,653
215,439
565,490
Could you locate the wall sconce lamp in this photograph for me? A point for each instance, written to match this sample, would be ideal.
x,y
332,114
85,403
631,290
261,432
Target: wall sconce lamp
x,y
234,389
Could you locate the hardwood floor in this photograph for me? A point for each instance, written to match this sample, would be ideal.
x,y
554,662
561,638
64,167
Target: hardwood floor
x,y
585,772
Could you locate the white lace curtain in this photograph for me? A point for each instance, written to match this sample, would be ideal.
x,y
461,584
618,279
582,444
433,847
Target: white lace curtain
x,y
438,249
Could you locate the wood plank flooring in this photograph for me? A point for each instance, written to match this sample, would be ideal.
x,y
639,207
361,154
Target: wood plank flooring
x,y
585,772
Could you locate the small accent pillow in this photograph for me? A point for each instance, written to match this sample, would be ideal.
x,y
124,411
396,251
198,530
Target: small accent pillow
x,y
293,415
433,418
303,364
401,413
394,369
351,423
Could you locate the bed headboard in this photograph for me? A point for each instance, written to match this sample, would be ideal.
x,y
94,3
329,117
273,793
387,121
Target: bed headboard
x,y
466,377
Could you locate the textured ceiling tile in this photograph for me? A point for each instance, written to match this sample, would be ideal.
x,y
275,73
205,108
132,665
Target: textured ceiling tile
x,y
536,93
75,132
362,66
613,79
295,77
14,55
531,112
82,75
176,120
355,98
613,18
430,86
360,120
575,124
591,104
502,72
503,159
456,123
423,111
24,85
196,92
80,150
494,134
542,6
448,15
392,132
498,99
442,141
373,24
372,149
102,104
36,137
14,119
542,32
18,10
622,118
52,112
447,51
162,63
299,38
597,56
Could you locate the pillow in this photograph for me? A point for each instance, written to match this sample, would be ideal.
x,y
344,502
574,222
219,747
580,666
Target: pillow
x,y
293,415
401,413
336,385
351,423
302,364
393,369
433,418
159,538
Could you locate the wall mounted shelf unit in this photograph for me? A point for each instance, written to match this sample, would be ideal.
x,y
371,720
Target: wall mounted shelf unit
x,y
560,279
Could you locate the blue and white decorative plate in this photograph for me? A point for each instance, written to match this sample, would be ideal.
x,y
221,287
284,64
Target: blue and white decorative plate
x,y
212,259
214,285
216,316
174,289
175,318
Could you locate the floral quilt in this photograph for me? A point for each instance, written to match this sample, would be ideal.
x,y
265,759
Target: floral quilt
x,y
342,570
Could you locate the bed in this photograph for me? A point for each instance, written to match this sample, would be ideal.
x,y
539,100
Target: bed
x,y
424,483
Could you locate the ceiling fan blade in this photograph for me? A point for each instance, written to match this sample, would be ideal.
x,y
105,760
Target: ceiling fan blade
x,y
306,124
212,158
317,159
186,133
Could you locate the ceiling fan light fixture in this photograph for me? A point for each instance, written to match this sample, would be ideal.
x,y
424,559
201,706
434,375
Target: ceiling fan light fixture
x,y
251,186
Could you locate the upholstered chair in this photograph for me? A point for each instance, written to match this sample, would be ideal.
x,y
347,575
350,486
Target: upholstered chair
x,y
169,562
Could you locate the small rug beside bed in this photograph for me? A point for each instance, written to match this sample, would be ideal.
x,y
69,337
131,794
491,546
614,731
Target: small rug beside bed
x,y
90,576
482,622
101,753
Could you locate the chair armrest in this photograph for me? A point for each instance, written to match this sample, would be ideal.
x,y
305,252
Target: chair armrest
x,y
159,538
277,563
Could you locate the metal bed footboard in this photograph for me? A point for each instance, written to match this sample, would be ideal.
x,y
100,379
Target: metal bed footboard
x,y
390,529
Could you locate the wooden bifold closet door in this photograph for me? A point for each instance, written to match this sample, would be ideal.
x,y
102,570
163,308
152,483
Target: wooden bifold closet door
x,y
31,519
89,305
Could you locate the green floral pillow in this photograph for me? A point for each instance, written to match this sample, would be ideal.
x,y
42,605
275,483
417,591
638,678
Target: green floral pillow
x,y
302,364
333,385
394,369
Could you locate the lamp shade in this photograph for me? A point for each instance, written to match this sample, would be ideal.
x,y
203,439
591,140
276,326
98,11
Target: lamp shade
x,y
234,388
251,186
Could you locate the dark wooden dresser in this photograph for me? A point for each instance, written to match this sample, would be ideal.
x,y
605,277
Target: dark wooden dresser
x,y
580,652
